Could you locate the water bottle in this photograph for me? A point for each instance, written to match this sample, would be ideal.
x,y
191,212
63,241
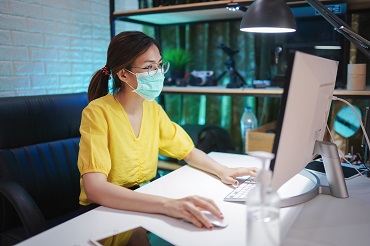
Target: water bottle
x,y
263,212
248,121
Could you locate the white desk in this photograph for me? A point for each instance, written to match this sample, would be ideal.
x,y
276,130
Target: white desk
x,y
322,221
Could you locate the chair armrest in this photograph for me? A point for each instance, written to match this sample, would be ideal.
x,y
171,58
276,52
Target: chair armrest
x,y
29,213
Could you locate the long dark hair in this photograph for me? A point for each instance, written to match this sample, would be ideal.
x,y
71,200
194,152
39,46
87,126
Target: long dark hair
x,y
122,52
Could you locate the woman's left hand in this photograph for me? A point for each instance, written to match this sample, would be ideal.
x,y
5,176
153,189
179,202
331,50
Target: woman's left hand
x,y
228,175
201,160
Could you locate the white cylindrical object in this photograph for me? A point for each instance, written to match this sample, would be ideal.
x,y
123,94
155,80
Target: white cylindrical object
x,y
356,77
263,212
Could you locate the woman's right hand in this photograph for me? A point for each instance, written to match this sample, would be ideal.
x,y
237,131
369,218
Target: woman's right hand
x,y
190,208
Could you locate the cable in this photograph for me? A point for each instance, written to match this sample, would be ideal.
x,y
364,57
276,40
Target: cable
x,y
363,129
358,117
341,154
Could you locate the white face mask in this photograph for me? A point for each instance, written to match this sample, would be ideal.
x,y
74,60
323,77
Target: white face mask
x,y
148,87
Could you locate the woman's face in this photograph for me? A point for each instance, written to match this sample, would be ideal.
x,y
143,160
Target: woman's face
x,y
150,59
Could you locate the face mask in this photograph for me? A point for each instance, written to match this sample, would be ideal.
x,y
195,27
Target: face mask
x,y
149,87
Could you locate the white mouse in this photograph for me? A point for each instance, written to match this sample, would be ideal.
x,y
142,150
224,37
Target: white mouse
x,y
213,219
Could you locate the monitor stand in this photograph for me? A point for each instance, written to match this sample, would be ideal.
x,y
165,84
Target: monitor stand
x,y
334,173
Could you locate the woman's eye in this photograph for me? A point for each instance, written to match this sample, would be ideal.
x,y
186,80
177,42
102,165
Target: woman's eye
x,y
149,67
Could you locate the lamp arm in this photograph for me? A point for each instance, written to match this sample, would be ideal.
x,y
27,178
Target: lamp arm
x,y
340,26
364,42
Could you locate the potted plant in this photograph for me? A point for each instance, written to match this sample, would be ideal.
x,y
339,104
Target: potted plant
x,y
179,59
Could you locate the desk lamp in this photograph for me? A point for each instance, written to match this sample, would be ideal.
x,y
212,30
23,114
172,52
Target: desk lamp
x,y
274,16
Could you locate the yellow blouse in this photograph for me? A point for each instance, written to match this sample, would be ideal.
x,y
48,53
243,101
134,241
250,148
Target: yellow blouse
x,y
108,144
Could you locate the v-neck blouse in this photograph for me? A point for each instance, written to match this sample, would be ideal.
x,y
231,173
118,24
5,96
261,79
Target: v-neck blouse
x,y
108,144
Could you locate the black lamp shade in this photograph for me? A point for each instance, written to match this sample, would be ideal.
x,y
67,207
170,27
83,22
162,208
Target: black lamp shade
x,y
269,16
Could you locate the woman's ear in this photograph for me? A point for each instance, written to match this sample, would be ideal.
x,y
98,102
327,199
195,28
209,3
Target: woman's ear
x,y
122,75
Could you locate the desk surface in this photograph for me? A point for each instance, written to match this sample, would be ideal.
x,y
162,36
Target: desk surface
x,y
324,220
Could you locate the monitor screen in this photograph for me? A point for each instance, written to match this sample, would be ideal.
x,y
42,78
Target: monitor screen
x,y
303,115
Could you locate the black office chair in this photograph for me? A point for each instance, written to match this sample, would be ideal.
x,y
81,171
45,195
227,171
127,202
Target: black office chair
x,y
39,178
207,138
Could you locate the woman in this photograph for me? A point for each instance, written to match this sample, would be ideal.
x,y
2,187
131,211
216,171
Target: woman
x,y
122,134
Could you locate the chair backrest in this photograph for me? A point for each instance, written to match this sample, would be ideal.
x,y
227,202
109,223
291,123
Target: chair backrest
x,y
210,138
215,138
39,138
30,120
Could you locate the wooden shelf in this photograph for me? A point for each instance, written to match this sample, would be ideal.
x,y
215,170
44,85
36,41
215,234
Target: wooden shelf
x,y
189,13
205,12
269,91
181,14
353,94
215,11
222,90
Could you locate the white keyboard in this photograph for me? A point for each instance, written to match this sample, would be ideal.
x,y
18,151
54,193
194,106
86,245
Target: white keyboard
x,y
240,193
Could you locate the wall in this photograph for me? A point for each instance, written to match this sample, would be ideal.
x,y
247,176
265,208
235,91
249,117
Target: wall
x,y
51,46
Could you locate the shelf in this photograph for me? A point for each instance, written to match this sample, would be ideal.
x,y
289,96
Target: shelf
x,y
353,94
204,12
180,14
269,91
222,90
187,13
208,12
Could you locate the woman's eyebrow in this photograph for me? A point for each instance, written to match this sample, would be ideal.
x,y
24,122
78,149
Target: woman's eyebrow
x,y
153,61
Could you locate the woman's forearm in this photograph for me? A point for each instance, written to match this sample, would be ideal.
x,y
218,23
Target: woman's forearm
x,y
201,160
99,191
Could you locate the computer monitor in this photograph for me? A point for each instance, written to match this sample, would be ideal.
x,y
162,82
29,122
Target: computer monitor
x,y
304,111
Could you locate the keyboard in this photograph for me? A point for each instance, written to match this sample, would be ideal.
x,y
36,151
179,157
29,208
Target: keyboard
x,y
240,193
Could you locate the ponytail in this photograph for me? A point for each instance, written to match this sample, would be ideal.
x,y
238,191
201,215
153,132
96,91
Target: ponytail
x,y
99,84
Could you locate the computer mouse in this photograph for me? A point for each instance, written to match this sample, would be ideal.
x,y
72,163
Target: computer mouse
x,y
213,219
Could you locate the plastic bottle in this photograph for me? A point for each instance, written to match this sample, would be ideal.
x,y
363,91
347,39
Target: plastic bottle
x,y
263,212
248,121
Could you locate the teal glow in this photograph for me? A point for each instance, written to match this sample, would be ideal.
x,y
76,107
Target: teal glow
x,y
225,112
202,110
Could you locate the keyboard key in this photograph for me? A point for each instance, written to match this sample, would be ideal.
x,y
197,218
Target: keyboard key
x,y
240,193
